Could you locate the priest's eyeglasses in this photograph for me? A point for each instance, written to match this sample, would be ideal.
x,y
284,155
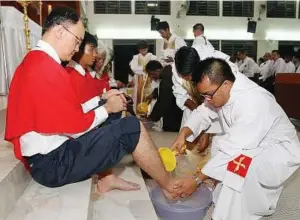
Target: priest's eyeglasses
x,y
210,96
78,40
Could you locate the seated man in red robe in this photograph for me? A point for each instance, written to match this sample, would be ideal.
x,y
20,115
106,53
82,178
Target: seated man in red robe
x,y
88,89
53,136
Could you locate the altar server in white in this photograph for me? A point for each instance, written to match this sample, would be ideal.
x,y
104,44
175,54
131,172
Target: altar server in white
x,y
258,152
171,44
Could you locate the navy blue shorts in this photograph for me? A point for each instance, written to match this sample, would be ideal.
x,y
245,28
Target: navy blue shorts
x,y
78,159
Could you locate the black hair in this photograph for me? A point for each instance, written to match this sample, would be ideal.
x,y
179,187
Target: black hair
x,y
59,16
198,26
88,39
217,70
242,51
261,59
186,59
142,45
276,51
153,65
163,25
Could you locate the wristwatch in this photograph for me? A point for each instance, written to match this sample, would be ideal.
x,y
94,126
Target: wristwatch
x,y
198,180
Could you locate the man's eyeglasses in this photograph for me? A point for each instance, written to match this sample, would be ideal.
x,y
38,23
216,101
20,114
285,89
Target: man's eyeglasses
x,y
210,96
79,41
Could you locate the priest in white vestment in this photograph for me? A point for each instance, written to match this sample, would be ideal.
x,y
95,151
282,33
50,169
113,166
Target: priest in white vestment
x,y
258,152
171,44
279,64
142,84
200,39
185,62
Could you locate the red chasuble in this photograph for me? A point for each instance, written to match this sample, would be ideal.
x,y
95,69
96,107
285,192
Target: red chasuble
x,y
41,99
86,87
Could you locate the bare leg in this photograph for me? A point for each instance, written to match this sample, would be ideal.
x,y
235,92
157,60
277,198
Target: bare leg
x,y
147,157
108,181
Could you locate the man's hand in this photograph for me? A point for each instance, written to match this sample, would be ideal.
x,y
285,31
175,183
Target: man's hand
x,y
185,187
169,59
190,104
120,84
109,93
149,98
116,103
179,144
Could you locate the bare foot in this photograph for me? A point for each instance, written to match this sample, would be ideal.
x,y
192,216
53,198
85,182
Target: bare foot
x,y
112,182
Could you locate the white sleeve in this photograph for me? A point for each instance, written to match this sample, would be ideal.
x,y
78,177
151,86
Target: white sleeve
x,y
298,69
240,137
200,120
199,41
179,92
90,104
242,67
134,65
179,42
280,67
112,83
264,72
153,57
100,116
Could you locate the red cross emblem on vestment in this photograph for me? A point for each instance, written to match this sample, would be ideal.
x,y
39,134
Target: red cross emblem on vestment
x,y
240,165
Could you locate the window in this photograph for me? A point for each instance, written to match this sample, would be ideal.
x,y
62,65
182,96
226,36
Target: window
x,y
204,8
238,8
112,7
230,47
153,7
215,43
288,47
281,9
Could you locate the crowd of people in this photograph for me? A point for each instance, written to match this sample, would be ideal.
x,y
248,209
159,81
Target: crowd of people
x,y
66,122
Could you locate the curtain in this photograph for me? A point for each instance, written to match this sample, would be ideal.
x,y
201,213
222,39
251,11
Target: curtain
x,y
13,43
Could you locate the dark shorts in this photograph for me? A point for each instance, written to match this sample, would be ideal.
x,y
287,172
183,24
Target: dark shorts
x,y
78,159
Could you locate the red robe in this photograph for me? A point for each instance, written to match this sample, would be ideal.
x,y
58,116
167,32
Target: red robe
x,y
105,77
41,99
86,87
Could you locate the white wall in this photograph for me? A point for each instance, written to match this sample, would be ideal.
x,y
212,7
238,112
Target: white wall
x,y
269,30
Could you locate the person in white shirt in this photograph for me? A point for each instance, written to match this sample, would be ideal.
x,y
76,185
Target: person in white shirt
x,y
171,44
258,152
265,67
290,66
248,66
278,64
200,39
187,97
143,86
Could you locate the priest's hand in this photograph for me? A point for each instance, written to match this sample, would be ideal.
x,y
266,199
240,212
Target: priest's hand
x,y
116,103
185,187
179,144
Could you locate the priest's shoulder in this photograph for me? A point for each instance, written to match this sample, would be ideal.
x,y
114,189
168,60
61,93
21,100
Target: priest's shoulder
x,y
35,60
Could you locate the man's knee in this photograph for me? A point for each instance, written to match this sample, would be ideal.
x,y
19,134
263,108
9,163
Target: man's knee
x,y
131,127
